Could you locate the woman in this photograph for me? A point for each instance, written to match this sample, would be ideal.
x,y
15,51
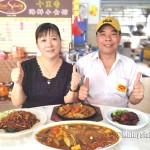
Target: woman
x,y
46,79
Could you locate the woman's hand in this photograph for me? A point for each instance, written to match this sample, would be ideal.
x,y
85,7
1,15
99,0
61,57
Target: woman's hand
x,y
18,96
84,90
72,95
17,74
76,79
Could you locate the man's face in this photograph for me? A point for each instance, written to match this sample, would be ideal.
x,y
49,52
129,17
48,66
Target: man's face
x,y
108,39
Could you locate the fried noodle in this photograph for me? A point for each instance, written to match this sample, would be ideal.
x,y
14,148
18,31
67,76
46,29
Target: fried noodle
x,y
18,120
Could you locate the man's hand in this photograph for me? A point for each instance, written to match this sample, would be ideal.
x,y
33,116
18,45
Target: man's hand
x,y
138,90
17,74
84,90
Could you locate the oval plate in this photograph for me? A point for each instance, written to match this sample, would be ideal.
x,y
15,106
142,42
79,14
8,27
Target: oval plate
x,y
39,114
76,111
142,116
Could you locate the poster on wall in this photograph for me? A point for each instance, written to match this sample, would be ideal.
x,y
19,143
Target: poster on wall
x,y
21,32
20,18
80,23
36,8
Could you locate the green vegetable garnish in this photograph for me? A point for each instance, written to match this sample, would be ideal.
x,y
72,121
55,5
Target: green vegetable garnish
x,y
2,115
11,130
119,112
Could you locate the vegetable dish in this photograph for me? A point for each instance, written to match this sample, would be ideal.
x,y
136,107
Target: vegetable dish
x,y
77,136
76,111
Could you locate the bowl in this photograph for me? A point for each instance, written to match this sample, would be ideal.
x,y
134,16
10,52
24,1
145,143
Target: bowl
x,y
74,133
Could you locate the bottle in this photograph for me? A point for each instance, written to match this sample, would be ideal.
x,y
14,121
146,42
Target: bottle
x,y
3,92
86,47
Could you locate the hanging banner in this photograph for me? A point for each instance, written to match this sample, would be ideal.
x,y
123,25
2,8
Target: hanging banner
x,y
36,8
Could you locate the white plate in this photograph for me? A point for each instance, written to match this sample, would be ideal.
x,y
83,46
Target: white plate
x,y
142,116
39,114
42,146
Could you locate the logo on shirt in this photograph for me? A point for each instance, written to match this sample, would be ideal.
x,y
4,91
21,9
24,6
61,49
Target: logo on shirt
x,y
122,88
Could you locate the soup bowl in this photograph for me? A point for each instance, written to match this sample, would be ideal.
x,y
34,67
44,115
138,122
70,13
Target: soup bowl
x,y
76,135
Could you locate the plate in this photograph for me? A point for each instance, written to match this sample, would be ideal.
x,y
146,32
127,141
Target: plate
x,y
76,111
141,123
73,130
39,114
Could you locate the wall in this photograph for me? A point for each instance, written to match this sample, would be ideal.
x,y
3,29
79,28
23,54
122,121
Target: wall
x,y
92,21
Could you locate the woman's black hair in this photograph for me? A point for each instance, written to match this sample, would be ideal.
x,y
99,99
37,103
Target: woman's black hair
x,y
44,28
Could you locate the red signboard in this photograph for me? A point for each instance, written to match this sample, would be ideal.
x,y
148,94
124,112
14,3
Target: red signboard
x,y
36,8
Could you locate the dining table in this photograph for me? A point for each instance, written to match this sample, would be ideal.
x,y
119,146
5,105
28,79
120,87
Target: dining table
x,y
131,139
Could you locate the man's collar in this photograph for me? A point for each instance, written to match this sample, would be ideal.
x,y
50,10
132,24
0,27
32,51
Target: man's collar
x,y
96,56
118,56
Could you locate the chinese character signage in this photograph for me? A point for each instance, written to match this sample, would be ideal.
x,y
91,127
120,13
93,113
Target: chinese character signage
x,y
36,8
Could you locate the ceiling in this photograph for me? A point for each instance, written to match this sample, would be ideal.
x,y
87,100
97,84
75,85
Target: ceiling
x,y
127,3
128,8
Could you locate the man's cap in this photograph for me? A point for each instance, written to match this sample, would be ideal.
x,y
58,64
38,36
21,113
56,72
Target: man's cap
x,y
109,20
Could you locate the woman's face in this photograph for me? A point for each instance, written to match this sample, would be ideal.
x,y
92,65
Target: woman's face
x,y
49,44
108,40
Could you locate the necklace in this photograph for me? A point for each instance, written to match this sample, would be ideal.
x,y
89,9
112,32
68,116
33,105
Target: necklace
x,y
48,81
47,70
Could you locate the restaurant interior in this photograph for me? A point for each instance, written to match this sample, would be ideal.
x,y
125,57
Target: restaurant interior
x,y
78,39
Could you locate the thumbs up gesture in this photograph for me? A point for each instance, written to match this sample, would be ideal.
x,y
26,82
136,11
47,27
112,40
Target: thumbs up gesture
x,y
76,78
17,74
138,88
84,90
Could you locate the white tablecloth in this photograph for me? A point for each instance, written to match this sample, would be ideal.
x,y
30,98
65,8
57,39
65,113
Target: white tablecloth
x,y
132,140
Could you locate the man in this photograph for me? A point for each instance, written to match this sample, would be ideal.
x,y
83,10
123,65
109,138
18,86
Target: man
x,y
109,77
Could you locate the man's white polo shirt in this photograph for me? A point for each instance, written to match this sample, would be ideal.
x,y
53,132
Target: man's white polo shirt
x,y
112,89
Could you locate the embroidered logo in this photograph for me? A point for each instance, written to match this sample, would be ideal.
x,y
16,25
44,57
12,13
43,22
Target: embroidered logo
x,y
121,88
107,20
